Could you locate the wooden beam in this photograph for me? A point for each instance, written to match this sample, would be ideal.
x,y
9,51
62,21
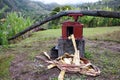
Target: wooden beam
x,y
109,14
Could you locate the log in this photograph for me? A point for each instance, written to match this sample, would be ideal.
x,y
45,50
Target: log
x,y
108,14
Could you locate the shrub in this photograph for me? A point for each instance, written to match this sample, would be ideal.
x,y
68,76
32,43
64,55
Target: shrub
x,y
13,24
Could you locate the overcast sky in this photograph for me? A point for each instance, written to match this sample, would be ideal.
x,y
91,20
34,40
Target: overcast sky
x,y
66,1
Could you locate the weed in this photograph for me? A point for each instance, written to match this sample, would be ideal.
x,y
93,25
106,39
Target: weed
x,y
54,78
88,55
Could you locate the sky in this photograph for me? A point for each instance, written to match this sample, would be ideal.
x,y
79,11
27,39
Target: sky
x,y
65,1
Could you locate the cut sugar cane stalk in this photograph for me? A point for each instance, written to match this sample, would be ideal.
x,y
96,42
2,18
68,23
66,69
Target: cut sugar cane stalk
x,y
86,67
51,66
61,75
76,59
73,41
45,53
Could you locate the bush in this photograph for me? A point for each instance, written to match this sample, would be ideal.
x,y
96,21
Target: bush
x,y
13,24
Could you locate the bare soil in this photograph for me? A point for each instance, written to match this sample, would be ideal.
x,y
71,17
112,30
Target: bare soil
x,y
24,69
113,46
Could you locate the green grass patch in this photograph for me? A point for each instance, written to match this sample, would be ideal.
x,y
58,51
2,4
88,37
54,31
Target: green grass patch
x,y
103,33
81,77
50,34
111,36
5,61
46,35
108,62
89,33
88,55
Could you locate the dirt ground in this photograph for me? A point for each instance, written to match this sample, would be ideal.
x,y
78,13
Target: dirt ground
x,y
24,69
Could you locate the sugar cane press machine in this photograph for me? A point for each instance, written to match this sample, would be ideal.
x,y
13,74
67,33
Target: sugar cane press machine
x,y
69,27
65,45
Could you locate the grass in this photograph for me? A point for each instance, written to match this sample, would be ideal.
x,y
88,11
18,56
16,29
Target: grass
x,y
108,62
81,77
89,33
87,54
112,36
5,61
53,34
45,40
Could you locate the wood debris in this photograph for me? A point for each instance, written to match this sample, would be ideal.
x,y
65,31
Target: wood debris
x,y
72,63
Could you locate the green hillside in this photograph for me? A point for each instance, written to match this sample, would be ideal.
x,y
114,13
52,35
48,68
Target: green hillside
x,y
113,5
26,7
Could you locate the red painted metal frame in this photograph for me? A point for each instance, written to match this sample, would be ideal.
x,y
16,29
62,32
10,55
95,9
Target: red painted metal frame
x,y
75,16
77,27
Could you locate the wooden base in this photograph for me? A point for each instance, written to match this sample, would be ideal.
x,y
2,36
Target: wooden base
x,y
66,46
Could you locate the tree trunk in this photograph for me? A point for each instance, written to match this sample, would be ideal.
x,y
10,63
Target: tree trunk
x,y
108,14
